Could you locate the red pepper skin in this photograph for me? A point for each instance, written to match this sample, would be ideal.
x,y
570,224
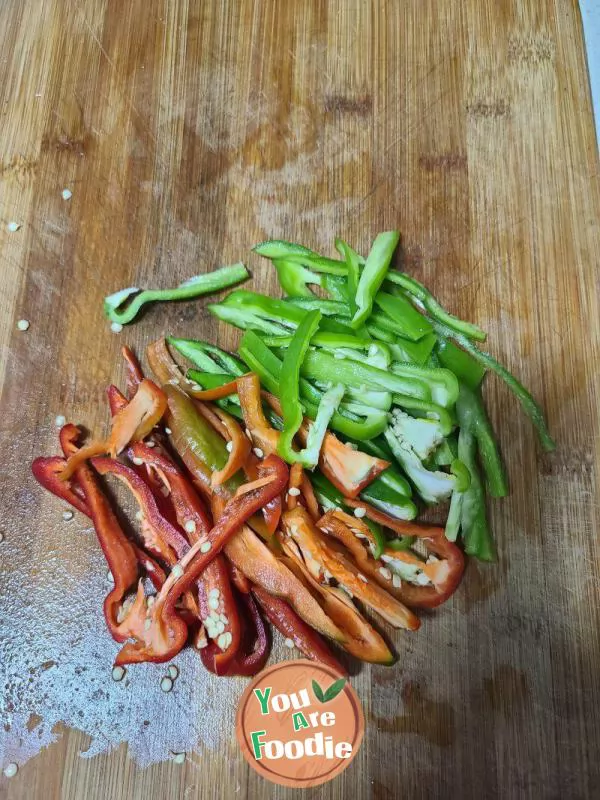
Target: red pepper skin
x,y
186,503
256,646
306,639
435,540
160,532
151,567
240,581
116,399
272,514
235,513
167,632
119,552
134,371
46,472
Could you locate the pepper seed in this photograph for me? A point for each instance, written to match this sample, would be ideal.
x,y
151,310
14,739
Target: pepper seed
x,y
166,684
173,671
118,673
67,515
11,770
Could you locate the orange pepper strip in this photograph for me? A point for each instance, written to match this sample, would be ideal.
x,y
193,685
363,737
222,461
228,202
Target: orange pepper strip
x,y
240,448
214,394
131,423
261,432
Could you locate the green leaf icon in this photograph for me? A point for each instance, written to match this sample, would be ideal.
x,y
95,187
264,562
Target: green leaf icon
x,y
318,692
335,688
333,691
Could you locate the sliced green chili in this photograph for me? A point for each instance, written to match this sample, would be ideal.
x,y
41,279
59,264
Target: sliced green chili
x,y
373,274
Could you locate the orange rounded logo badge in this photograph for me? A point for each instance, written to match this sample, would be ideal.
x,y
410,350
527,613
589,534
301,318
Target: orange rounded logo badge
x,y
299,723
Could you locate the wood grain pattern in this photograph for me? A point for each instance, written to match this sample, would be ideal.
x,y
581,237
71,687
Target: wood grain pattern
x,y
187,131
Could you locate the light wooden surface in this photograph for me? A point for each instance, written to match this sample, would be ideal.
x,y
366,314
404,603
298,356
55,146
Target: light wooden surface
x,y
187,131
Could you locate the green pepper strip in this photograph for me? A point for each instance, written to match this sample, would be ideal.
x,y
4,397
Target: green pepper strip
x,y
472,416
251,310
530,406
407,321
422,298
415,352
267,365
422,408
473,518
337,289
329,308
353,262
276,249
433,385
294,278
289,378
194,287
465,367
373,274
207,357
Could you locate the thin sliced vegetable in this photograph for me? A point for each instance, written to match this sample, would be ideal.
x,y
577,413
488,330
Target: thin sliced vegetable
x,y
373,275
197,286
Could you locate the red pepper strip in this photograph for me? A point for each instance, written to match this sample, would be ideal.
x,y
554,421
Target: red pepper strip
x,y
444,574
241,582
47,471
272,511
134,371
306,639
240,448
261,432
254,652
400,526
160,537
162,365
119,552
272,514
214,394
296,474
116,400
134,421
323,558
310,500
151,567
167,632
253,485
216,586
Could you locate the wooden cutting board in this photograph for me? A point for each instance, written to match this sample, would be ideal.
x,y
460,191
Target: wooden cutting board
x,y
186,132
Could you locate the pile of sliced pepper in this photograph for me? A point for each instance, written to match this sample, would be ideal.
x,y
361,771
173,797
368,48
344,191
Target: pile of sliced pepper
x,y
283,485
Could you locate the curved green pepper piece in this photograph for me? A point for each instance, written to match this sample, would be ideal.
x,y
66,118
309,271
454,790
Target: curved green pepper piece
x,y
353,264
277,249
207,357
294,278
423,408
373,274
197,286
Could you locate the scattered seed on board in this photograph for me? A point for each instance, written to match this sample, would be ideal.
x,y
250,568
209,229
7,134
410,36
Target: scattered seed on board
x,y
118,673
23,324
179,758
359,512
11,770
290,643
204,548
116,327
67,194
173,672
67,515
13,227
294,492
166,684
60,421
